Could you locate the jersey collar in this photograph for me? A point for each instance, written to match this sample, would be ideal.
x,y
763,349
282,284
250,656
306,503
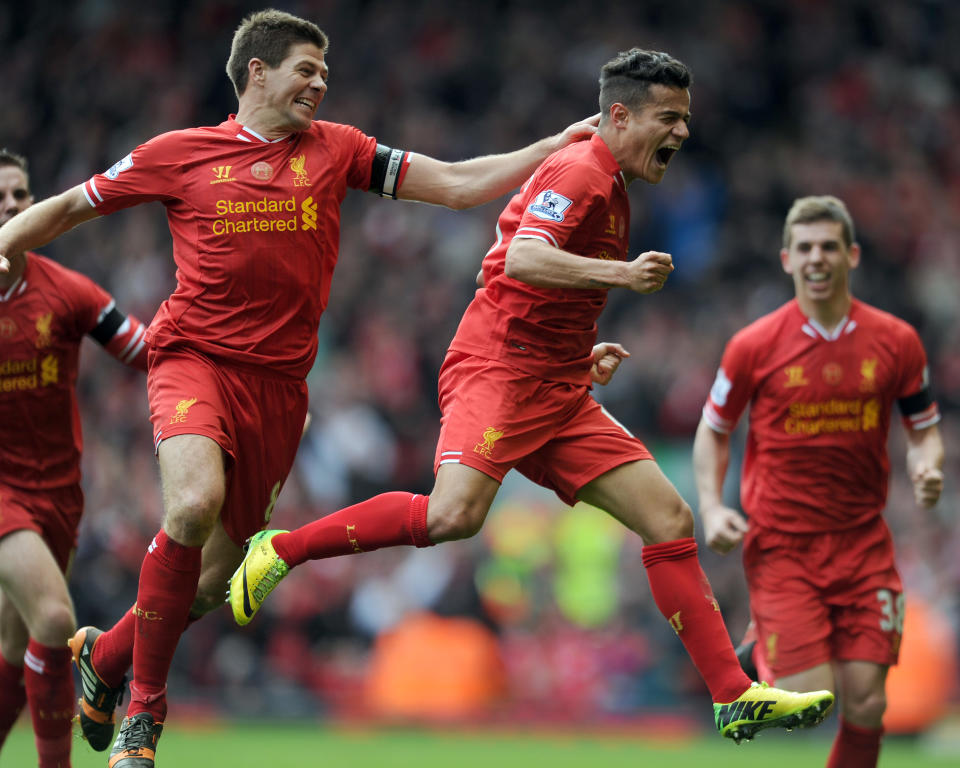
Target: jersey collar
x,y
247,134
606,159
814,330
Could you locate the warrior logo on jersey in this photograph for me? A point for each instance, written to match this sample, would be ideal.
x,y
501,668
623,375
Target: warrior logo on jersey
x,y
795,377
868,373
490,436
222,174
299,167
182,407
550,206
7,327
120,166
43,330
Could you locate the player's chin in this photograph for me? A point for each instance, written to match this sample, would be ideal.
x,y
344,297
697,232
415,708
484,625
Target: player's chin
x,y
655,173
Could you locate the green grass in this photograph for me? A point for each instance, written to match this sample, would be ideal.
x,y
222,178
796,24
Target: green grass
x,y
258,746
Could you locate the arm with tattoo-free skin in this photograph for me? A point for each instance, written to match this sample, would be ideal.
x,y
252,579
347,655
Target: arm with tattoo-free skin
x,y
925,464
473,182
723,527
43,222
540,264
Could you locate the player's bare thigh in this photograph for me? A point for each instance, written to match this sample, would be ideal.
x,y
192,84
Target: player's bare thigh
x,y
194,485
35,587
459,502
641,497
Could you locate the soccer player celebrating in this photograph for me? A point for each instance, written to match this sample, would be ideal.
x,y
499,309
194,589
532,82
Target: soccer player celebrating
x,y
45,311
515,391
821,374
253,206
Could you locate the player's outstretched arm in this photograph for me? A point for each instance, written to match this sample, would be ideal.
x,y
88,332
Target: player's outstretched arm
x,y
473,182
43,222
537,263
925,464
607,356
723,527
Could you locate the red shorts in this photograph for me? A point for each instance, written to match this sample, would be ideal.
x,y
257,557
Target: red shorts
x,y
257,420
54,513
827,596
495,418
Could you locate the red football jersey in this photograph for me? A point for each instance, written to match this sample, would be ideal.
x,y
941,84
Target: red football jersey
x,y
577,201
43,318
820,409
256,231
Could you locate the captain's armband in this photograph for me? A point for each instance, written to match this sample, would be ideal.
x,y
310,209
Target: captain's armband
x,y
385,171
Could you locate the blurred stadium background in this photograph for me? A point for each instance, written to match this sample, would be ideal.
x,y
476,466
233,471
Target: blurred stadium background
x,y
545,617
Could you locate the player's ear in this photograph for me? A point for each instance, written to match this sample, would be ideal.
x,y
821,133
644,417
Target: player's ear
x,y
853,256
785,261
619,114
256,70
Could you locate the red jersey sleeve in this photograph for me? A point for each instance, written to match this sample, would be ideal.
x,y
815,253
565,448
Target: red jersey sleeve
x,y
94,312
733,386
151,172
918,409
558,199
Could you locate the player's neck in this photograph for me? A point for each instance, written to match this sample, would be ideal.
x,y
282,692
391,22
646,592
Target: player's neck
x,y
828,314
18,265
258,121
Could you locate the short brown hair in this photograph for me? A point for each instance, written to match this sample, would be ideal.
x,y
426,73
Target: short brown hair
x,y
267,35
806,210
627,77
18,161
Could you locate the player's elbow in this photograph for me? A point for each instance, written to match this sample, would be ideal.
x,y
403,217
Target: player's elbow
x,y
516,261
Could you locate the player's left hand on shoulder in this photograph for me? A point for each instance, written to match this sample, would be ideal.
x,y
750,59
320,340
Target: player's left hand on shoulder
x,y
927,486
580,130
606,359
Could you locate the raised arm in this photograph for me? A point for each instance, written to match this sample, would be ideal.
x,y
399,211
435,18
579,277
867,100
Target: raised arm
x,y
723,527
925,464
43,222
543,265
473,182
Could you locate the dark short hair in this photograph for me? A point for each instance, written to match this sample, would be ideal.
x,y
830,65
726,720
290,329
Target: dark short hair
x,y
627,77
268,35
19,161
806,210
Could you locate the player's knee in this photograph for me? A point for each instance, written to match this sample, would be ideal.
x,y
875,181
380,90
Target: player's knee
x,y
53,623
865,710
675,522
450,521
191,520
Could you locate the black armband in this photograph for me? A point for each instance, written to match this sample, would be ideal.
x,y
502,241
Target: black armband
x,y
917,403
385,171
105,330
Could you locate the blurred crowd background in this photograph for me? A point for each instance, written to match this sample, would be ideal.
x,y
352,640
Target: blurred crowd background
x,y
546,614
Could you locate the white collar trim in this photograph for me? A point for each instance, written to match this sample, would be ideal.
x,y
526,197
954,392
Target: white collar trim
x,y
17,288
813,329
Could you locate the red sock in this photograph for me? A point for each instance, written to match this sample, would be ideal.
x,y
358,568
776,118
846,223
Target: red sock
x,y
48,680
683,595
12,696
168,583
855,747
113,651
388,520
